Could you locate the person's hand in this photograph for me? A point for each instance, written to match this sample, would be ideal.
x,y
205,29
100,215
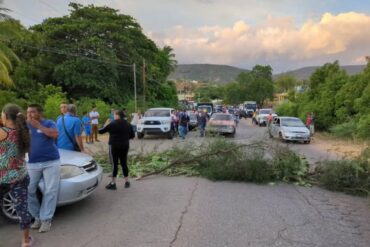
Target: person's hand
x,y
34,123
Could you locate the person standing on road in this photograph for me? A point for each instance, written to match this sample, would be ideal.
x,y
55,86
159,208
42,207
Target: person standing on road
x,y
136,116
86,121
43,163
120,133
310,123
269,119
69,128
183,124
202,122
94,115
14,144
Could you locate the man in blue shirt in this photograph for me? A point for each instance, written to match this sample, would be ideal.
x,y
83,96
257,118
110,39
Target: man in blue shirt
x,y
69,128
44,162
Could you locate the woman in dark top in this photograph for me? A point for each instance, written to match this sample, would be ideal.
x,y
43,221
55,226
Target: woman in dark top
x,y
120,133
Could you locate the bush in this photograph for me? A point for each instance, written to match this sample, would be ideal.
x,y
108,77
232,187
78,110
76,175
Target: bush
x,y
288,166
287,109
51,107
352,176
363,127
11,97
344,130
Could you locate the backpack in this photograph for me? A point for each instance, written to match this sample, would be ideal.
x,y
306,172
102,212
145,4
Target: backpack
x,y
184,119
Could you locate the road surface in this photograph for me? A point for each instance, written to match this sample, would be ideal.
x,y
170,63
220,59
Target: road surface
x,y
191,212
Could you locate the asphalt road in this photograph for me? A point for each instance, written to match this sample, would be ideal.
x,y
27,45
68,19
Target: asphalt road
x,y
178,211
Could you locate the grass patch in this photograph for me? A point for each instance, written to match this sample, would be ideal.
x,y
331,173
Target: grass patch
x,y
350,176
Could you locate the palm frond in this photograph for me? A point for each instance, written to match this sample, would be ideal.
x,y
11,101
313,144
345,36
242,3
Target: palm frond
x,y
5,79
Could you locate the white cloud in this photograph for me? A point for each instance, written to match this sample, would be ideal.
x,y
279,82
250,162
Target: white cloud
x,y
345,36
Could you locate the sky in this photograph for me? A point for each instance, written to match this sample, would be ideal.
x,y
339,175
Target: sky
x,y
286,34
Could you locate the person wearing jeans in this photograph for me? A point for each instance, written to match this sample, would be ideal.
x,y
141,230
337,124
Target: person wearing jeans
x,y
44,162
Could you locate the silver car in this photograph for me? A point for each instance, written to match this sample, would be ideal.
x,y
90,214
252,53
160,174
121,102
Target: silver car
x,y
263,114
80,176
289,129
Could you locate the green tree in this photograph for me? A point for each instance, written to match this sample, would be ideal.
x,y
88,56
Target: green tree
x,y
257,84
285,83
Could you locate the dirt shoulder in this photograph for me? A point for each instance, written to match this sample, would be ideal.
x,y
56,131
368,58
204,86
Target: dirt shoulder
x,y
344,148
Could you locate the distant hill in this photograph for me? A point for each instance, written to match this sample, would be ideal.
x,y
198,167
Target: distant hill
x,y
222,74
219,74
305,73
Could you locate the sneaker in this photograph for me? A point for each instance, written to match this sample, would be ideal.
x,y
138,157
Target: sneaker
x,y
127,184
36,224
45,226
111,186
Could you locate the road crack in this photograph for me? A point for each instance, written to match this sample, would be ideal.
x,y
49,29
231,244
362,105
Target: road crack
x,y
183,213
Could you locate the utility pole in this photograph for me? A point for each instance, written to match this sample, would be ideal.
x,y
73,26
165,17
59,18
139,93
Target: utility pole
x,y
135,92
144,83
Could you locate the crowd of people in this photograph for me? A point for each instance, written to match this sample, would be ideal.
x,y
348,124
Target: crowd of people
x,y
42,138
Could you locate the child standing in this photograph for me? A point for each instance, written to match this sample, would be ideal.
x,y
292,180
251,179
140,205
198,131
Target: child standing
x,y
86,121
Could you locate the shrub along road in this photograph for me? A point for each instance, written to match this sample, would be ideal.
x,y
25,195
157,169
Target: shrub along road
x,y
178,211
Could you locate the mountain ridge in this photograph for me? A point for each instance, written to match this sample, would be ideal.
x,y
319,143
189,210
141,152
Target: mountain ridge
x,y
222,74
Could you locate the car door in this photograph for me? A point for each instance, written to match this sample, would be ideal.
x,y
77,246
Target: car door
x,y
275,127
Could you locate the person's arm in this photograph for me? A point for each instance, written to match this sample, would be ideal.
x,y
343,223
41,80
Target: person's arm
x,y
3,134
105,129
77,134
50,131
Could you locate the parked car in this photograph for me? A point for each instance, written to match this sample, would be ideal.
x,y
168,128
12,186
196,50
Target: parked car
x,y
80,176
156,121
193,123
262,116
222,123
289,129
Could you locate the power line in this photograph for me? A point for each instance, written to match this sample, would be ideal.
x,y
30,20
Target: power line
x,y
50,6
55,51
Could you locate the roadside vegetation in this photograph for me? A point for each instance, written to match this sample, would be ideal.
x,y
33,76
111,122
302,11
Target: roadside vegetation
x,y
74,59
223,160
341,102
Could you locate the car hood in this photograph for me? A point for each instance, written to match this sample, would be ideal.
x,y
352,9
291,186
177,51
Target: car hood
x,y
266,115
68,157
155,118
296,129
221,122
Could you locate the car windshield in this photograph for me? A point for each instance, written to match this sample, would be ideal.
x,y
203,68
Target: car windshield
x,y
157,113
292,122
207,108
221,117
265,111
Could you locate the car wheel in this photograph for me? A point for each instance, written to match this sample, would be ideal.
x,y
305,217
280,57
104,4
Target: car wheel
x,y
307,142
8,208
233,134
140,135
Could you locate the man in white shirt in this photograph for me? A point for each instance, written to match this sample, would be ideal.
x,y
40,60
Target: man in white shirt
x,y
94,115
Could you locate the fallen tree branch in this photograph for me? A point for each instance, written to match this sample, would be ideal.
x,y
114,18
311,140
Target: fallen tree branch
x,y
195,158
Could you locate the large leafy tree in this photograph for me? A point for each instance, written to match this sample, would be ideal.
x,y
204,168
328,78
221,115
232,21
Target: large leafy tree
x,y
90,53
257,84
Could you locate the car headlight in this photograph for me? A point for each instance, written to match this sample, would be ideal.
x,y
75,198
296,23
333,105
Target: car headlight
x,y
165,122
70,171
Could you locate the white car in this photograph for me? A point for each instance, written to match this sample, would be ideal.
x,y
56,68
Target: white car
x,y
156,121
289,129
80,176
263,114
